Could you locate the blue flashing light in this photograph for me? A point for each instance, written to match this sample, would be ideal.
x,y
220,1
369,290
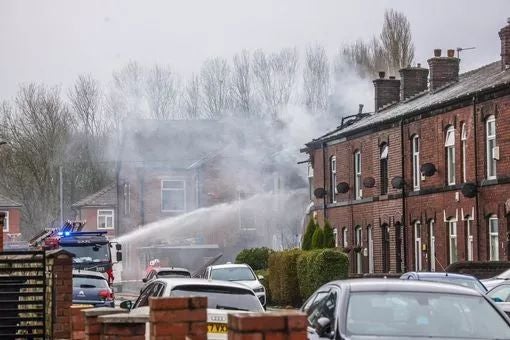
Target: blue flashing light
x,y
60,233
67,233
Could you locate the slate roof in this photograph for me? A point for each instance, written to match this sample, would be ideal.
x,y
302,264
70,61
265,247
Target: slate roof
x,y
106,197
8,203
484,78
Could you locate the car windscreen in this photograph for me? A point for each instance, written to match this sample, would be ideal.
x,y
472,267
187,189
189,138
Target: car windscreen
x,y
466,282
173,273
89,282
89,253
504,275
410,314
219,297
232,274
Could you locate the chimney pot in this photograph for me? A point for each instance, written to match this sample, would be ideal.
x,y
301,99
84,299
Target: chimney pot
x,y
443,71
418,65
504,35
382,74
451,53
387,91
508,20
437,52
360,110
392,77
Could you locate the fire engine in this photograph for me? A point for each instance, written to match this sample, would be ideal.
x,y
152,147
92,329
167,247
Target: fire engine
x,y
91,249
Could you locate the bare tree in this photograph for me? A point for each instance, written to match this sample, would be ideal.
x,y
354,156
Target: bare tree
x,y
86,102
275,77
162,92
126,98
316,79
215,74
242,85
191,98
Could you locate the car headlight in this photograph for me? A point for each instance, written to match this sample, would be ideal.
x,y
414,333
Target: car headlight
x,y
259,290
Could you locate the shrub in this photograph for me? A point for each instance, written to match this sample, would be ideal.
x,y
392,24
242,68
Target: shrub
x,y
318,238
307,238
318,267
283,282
329,236
256,258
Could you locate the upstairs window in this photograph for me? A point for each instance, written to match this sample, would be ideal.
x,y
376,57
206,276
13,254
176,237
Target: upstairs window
x,y
384,169
494,238
491,146
4,221
449,144
173,196
310,181
345,240
416,162
463,138
332,179
105,219
357,173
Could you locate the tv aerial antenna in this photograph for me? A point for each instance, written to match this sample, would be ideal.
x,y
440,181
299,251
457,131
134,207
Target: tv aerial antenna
x,y
460,49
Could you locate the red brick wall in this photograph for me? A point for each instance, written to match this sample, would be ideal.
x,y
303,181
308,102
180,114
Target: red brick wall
x,y
90,215
14,221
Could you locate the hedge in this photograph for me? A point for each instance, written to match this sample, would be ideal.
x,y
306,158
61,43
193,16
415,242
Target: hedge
x,y
283,281
265,283
256,258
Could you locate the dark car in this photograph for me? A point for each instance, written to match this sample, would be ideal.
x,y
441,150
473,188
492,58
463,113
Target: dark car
x,y
457,279
91,288
398,309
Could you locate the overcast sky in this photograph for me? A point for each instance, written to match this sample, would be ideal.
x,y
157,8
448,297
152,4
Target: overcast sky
x,y
54,41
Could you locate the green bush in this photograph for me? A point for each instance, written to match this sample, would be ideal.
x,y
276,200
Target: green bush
x,y
283,282
256,258
318,239
265,282
329,236
318,267
307,238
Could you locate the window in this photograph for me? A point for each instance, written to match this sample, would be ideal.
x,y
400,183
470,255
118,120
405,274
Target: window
x,y
357,172
310,180
370,250
324,308
335,235
359,242
493,238
345,241
173,196
4,220
416,163
491,145
432,250
452,229
417,246
469,238
463,138
105,219
384,169
449,144
332,179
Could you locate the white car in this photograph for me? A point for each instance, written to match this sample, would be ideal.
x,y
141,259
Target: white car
x,y
241,273
222,298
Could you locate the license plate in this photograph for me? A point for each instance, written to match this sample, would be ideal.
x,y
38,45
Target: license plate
x,y
216,328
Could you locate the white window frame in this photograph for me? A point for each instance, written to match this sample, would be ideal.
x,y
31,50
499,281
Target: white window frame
x,y
490,139
6,221
332,169
358,240
416,162
452,237
169,189
101,214
335,235
463,138
357,173
370,238
345,235
432,246
417,247
384,157
493,238
450,155
469,237
310,180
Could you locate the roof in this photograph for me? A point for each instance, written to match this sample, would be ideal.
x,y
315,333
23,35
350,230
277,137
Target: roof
x,y
8,203
106,197
397,285
175,282
482,79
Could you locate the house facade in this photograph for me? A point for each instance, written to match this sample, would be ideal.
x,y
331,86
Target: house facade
x,y
424,180
10,219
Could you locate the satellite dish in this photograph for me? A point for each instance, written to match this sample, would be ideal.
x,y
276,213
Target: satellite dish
x,y
428,169
469,190
320,192
368,182
397,182
342,187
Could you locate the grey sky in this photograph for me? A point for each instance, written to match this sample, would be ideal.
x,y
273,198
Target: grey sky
x,y
54,41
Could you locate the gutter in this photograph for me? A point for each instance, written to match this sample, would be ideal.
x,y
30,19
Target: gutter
x,y
324,199
403,231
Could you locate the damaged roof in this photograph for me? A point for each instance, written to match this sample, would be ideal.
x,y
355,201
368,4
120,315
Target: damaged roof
x,y
484,78
8,203
106,197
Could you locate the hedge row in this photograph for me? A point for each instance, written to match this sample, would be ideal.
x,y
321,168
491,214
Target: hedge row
x,y
256,258
303,272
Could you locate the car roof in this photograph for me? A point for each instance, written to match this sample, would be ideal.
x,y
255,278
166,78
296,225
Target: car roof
x,y
171,269
175,282
377,285
443,274
230,265
87,273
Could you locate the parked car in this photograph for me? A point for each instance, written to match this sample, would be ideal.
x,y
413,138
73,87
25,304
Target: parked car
x,y
500,293
241,273
398,309
222,298
161,272
92,288
496,280
458,279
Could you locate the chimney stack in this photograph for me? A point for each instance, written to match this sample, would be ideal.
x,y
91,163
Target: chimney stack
x,y
387,91
413,80
443,70
504,35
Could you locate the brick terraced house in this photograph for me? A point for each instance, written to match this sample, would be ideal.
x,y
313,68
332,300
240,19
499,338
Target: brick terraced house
x,y
424,181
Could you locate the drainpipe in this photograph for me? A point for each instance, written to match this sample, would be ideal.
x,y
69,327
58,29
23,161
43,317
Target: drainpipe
x,y
475,122
403,257
324,199
142,195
